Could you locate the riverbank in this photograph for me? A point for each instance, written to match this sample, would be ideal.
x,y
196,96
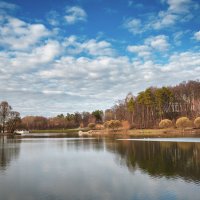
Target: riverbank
x,y
137,133
58,131
148,133
128,133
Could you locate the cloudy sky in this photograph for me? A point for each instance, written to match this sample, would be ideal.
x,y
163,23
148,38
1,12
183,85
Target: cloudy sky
x,y
75,55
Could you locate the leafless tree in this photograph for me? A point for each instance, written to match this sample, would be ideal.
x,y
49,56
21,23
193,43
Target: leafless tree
x,y
5,110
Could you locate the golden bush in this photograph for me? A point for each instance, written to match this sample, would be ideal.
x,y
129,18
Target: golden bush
x,y
125,124
113,124
165,123
197,122
183,122
99,126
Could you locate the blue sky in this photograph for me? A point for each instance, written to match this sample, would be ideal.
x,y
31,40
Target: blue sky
x,y
66,56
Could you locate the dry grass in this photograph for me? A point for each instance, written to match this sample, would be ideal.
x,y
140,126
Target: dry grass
x,y
149,132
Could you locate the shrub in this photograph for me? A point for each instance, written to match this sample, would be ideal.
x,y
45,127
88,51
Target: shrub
x,y
113,124
183,122
126,125
91,125
197,122
99,126
106,124
165,123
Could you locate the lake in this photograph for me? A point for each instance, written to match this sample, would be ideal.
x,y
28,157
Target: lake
x,y
99,169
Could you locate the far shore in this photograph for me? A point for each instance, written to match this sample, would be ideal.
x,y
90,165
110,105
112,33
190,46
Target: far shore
x,y
119,133
149,133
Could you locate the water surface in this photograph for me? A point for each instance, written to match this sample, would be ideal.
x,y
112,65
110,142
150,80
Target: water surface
x,y
73,168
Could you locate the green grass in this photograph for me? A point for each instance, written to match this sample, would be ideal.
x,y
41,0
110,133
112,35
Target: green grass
x,y
59,130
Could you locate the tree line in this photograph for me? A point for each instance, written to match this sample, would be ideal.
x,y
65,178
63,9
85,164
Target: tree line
x,y
152,105
61,121
145,110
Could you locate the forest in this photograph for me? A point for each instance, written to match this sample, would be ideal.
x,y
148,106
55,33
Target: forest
x,y
149,107
145,110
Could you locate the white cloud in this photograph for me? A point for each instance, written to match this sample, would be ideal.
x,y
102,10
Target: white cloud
x,y
178,11
141,50
47,52
179,6
20,62
88,72
97,48
151,44
185,64
133,25
197,35
97,81
18,34
164,19
159,42
92,46
75,14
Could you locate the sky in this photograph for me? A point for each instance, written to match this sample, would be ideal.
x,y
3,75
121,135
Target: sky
x,y
65,56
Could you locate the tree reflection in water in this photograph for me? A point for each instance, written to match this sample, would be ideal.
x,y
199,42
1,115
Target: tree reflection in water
x,y
158,159
9,150
169,159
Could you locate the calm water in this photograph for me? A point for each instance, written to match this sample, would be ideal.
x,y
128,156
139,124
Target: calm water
x,y
72,169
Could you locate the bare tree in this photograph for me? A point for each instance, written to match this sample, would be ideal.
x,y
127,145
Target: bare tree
x,y
5,110
13,121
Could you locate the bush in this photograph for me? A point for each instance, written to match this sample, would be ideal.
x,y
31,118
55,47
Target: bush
x,y
99,126
165,123
183,122
126,125
91,125
197,122
113,124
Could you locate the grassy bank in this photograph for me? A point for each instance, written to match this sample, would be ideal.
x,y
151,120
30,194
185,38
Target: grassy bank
x,y
149,133
59,130
164,133
125,133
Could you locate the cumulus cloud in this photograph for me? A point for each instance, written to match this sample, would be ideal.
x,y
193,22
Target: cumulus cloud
x,y
92,46
151,44
17,34
75,14
185,63
179,6
141,50
13,62
197,35
133,25
50,73
159,42
164,19
177,11
98,80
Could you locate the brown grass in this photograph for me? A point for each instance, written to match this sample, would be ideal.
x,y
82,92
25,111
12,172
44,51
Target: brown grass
x,y
149,132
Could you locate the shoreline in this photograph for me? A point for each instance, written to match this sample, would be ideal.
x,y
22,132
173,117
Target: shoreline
x,y
152,133
134,133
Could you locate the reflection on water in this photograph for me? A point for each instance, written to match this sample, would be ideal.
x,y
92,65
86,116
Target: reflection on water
x,y
9,150
169,159
71,168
